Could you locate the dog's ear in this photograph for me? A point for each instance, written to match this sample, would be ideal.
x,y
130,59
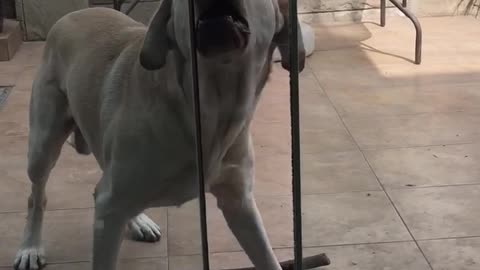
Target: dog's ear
x,y
281,39
157,43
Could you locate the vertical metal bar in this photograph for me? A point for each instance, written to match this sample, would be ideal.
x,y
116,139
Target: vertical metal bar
x,y
116,4
1,16
295,133
198,136
404,3
383,11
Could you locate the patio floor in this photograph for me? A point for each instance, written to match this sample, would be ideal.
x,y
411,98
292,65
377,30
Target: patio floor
x,y
390,161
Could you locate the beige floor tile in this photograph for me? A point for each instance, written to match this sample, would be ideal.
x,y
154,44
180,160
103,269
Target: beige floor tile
x,y
273,174
277,95
321,173
352,77
68,236
439,212
350,218
426,166
185,262
29,54
339,36
336,172
414,130
184,230
9,73
367,69
407,100
459,254
392,256
271,138
18,102
131,264
334,138
184,237
221,261
320,132
25,80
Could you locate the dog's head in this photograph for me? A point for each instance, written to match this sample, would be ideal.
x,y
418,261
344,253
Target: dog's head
x,y
225,30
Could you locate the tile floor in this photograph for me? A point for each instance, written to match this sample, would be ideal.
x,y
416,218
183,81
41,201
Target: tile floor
x,y
391,174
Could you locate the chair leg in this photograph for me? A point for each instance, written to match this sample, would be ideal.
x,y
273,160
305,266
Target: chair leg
x,y
418,29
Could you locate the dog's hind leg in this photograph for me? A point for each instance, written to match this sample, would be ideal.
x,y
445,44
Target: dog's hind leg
x,y
50,125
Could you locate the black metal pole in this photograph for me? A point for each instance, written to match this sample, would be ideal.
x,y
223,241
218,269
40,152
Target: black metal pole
x,y
117,4
295,133
383,11
1,16
198,136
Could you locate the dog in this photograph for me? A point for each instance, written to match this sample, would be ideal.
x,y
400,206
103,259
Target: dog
x,y
123,92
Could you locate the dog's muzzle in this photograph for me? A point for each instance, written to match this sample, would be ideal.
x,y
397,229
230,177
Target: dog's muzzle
x,y
222,29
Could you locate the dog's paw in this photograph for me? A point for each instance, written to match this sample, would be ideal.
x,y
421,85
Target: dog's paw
x,y
142,228
31,258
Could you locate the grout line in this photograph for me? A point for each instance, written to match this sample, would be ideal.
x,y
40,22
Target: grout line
x,y
376,176
166,237
333,245
432,186
240,250
428,113
448,238
46,211
89,261
416,146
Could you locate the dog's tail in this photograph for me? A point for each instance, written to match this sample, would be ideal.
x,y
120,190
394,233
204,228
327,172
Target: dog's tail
x,y
78,142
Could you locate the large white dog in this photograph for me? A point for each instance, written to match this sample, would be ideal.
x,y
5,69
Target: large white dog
x,y
124,93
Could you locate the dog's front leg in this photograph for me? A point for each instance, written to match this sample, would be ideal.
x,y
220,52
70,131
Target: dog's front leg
x,y
235,199
243,218
109,226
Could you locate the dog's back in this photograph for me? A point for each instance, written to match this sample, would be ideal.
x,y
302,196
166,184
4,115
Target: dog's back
x,y
81,50
92,30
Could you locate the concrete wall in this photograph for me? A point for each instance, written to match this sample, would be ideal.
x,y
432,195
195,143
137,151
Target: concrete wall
x,y
39,15
142,12
325,11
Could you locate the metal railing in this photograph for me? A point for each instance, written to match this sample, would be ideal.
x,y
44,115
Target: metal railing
x,y
403,8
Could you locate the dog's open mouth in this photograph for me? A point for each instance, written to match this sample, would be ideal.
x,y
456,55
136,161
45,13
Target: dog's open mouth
x,y
222,29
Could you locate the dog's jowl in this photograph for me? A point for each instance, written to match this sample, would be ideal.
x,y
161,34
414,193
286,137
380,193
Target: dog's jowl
x,y
122,92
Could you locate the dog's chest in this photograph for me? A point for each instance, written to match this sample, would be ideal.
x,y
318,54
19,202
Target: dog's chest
x,y
226,109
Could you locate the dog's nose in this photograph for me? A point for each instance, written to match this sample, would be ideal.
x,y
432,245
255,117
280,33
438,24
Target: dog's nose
x,y
222,29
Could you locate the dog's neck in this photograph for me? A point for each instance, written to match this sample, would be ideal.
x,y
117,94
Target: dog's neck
x,y
227,100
